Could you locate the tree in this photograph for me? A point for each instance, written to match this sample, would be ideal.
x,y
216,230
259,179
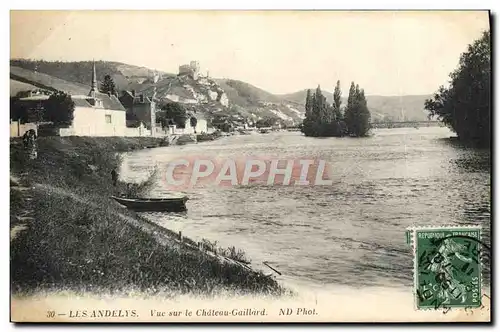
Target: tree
x,y
108,86
308,103
193,121
175,112
310,124
357,116
320,106
320,118
337,102
350,116
364,115
465,105
37,113
59,109
18,111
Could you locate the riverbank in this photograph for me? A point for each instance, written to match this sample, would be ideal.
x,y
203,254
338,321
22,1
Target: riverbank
x,y
77,239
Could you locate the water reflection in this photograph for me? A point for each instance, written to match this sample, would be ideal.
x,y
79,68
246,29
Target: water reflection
x,y
474,162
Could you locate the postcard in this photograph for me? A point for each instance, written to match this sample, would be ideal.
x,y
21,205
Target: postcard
x,y
250,166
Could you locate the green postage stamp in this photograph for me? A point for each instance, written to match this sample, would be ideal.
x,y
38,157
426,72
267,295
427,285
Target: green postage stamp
x,y
447,266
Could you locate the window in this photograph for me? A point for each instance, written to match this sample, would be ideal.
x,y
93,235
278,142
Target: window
x,y
108,118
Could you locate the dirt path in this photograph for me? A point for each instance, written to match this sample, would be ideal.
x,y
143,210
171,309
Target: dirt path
x,y
23,217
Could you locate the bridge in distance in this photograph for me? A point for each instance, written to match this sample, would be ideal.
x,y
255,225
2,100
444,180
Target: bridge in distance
x,y
396,124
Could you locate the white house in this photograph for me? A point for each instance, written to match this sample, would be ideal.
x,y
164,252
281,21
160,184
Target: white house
x,y
201,126
95,114
100,115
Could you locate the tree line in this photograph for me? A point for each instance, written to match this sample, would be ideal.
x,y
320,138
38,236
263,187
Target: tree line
x,y
464,105
58,109
330,120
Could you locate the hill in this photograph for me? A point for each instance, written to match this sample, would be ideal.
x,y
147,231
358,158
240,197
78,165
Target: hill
x,y
205,94
26,79
244,94
229,96
299,97
81,71
18,86
399,108
394,108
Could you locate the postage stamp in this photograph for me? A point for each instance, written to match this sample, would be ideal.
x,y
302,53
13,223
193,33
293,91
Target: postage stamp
x,y
447,267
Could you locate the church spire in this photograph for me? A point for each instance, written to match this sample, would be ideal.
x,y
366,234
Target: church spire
x,y
93,88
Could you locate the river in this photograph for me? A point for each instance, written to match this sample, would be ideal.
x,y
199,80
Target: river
x,y
349,233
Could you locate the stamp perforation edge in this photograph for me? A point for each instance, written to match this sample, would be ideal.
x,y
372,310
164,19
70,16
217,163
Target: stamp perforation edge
x,y
411,231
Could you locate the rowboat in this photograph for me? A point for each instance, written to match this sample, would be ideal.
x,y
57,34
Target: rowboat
x,y
173,204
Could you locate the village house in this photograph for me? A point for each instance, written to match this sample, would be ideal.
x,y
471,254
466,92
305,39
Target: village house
x,y
201,124
138,107
95,114
200,127
224,122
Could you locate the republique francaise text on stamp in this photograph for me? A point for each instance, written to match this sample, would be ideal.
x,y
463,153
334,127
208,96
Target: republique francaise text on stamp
x,y
447,267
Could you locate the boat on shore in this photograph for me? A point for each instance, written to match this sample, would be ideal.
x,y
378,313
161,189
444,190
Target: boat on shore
x,y
172,204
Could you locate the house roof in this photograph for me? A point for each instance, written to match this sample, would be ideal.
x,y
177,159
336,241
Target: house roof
x,y
35,97
17,86
137,98
53,83
109,102
81,102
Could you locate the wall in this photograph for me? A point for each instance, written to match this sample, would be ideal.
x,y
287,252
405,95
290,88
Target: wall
x,y
66,132
142,112
192,69
143,131
160,131
185,69
90,121
201,126
137,132
17,129
173,130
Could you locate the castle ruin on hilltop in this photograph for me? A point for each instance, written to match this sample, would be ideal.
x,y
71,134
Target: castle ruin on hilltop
x,y
192,69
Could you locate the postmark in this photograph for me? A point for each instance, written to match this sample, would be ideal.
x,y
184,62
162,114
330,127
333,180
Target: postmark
x,y
447,267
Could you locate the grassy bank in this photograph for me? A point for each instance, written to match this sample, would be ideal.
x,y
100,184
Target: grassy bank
x,y
81,240
203,137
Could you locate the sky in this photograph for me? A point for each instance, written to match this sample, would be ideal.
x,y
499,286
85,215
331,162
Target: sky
x,y
387,53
